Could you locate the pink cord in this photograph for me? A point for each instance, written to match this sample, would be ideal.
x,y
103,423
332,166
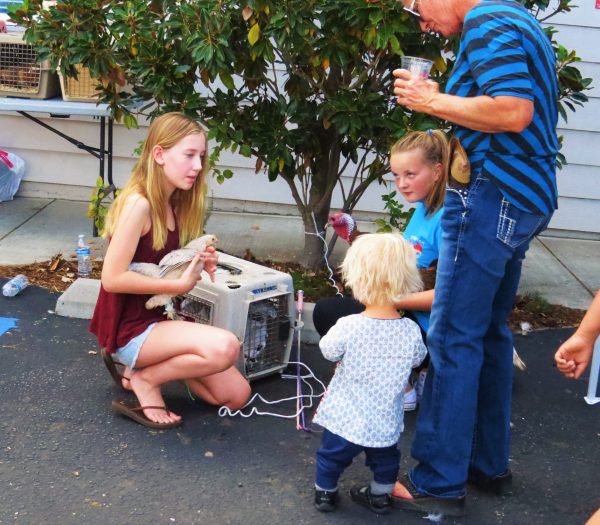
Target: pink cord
x,y
300,422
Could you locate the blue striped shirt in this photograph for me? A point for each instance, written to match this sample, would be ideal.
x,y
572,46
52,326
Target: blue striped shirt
x,y
504,52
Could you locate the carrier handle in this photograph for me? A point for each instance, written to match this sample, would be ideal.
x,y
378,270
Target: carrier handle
x,y
233,270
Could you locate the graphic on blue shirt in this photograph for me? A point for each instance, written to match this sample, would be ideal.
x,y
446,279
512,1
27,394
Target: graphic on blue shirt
x,y
425,234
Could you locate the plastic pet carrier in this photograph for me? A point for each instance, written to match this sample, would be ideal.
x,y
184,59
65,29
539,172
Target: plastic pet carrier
x,y
254,302
21,75
80,89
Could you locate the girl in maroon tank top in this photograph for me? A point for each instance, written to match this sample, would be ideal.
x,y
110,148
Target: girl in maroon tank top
x,y
160,209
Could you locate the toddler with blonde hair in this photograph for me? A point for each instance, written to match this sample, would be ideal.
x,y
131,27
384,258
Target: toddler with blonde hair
x,y
375,351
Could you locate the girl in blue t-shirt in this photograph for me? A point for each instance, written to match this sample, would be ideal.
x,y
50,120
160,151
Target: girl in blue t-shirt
x,y
419,163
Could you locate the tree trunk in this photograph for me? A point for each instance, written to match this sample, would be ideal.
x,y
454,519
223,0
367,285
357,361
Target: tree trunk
x,y
324,176
314,246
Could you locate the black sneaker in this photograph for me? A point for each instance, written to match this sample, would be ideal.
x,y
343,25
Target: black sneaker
x,y
500,485
325,500
378,503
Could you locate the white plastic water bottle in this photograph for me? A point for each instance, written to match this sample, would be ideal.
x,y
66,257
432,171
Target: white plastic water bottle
x,y
84,261
16,285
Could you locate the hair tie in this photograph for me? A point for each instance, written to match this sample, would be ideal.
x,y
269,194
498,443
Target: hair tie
x,y
430,132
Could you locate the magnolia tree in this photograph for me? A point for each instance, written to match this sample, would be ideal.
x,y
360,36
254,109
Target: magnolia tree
x,y
303,87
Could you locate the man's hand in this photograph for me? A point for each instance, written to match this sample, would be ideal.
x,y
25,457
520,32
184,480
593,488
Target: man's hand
x,y
413,92
500,114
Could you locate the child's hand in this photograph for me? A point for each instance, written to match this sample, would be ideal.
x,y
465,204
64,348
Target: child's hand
x,y
573,356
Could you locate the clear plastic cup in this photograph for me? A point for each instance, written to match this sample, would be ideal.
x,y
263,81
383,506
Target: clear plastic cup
x,y
420,67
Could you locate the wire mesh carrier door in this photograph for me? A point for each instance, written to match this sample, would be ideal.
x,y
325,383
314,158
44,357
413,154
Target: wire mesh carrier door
x,y
21,75
254,302
81,88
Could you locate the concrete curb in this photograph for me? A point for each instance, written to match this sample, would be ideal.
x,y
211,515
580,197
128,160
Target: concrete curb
x,y
79,301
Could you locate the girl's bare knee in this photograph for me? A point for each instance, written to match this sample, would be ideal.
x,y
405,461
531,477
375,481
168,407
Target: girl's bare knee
x,y
223,350
239,397
228,351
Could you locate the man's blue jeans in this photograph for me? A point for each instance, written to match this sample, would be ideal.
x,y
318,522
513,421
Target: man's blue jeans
x,y
464,420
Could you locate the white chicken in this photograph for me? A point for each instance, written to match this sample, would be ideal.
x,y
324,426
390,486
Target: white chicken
x,y
172,266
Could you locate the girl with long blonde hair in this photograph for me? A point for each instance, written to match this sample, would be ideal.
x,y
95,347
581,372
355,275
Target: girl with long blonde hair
x,y
160,209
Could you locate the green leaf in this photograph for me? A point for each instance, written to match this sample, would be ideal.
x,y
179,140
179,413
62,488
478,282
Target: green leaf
x,y
227,80
130,121
182,69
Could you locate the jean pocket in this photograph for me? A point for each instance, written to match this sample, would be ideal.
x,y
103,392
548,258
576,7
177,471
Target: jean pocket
x,y
456,197
516,226
460,195
506,224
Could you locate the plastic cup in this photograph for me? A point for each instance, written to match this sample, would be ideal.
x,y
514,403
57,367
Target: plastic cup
x,y
419,67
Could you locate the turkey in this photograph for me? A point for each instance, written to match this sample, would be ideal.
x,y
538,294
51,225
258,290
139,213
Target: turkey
x,y
343,224
171,266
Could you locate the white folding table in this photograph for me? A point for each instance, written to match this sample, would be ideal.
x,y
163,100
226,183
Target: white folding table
x,y
59,108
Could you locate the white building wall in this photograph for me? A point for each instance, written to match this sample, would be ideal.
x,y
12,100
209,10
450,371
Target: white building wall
x,y
579,182
56,168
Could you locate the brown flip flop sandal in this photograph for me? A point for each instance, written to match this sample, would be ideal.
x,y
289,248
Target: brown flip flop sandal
x,y
112,369
133,410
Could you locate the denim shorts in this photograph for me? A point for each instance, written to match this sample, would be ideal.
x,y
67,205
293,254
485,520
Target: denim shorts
x,y
128,354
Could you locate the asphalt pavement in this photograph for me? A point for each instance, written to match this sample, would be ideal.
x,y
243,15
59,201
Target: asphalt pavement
x,y
65,458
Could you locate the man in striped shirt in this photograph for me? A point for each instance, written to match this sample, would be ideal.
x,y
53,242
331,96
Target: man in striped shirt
x,y
502,99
